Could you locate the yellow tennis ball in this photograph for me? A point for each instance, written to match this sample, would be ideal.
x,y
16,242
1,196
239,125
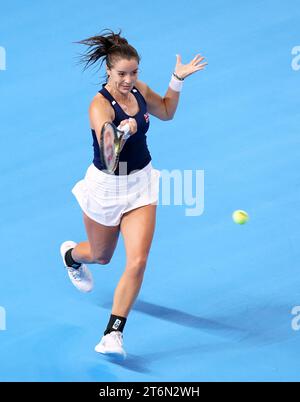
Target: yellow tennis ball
x,y
240,217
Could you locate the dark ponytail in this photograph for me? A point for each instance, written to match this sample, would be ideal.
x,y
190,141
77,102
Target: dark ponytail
x,y
109,47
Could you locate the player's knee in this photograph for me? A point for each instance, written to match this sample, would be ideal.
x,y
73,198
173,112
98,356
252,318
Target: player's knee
x,y
136,268
101,260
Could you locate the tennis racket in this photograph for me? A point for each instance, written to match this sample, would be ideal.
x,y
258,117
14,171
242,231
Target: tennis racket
x,y
112,141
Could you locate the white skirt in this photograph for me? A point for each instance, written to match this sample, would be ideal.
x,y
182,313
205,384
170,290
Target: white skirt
x,y
105,198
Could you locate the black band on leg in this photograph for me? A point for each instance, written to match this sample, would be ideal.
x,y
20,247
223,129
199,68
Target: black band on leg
x,y
69,260
116,323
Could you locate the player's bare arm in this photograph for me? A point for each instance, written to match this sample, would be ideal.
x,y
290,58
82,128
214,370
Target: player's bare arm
x,y
164,108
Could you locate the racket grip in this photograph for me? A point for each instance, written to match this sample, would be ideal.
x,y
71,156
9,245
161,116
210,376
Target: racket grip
x,y
125,128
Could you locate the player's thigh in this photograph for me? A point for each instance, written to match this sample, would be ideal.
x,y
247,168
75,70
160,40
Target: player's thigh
x,y
103,239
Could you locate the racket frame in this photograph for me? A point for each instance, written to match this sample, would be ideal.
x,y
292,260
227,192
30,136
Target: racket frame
x,y
120,138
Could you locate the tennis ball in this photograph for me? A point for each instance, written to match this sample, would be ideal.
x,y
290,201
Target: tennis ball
x,y
240,217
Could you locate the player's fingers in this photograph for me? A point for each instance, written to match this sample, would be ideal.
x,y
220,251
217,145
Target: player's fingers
x,y
201,66
178,58
197,57
124,122
200,59
195,63
133,125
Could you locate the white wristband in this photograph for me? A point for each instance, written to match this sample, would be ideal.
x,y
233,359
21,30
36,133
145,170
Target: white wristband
x,y
175,84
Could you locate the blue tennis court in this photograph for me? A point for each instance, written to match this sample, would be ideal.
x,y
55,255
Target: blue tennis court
x,y
219,300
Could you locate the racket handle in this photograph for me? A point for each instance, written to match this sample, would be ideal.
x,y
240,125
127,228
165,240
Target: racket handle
x,y
125,128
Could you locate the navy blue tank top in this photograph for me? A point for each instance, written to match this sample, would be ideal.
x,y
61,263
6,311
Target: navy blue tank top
x,y
135,151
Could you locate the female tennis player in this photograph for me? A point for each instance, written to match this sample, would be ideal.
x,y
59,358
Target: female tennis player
x,y
125,201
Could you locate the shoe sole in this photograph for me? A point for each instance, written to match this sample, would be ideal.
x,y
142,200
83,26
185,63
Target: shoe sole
x,y
113,355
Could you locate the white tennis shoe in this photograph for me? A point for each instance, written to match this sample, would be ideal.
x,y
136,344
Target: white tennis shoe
x,y
81,278
112,345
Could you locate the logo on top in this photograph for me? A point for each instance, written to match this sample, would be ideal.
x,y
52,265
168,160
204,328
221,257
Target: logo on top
x,y
147,117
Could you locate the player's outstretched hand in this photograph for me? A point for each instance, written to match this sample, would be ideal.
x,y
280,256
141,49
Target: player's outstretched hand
x,y
185,70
